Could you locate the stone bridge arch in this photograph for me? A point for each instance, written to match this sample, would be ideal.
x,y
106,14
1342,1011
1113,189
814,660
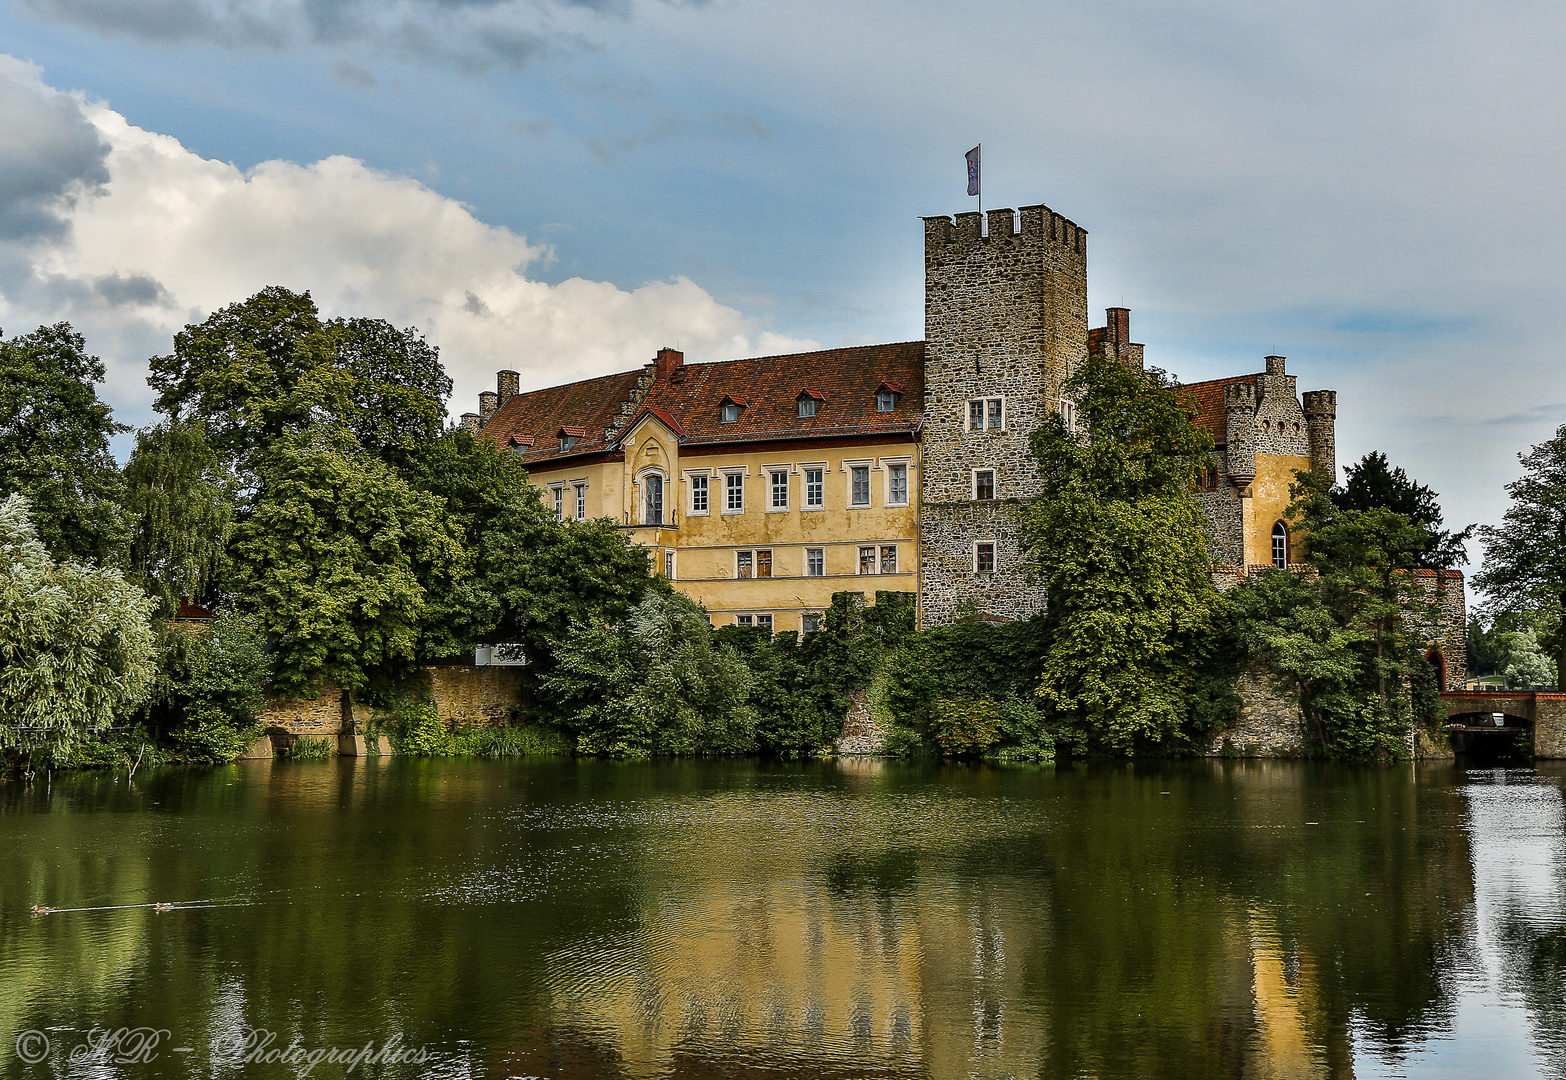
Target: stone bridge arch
x,y
1538,715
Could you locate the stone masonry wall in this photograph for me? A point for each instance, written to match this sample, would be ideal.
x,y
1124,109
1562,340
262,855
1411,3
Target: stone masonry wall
x,y
1005,316
1270,724
467,695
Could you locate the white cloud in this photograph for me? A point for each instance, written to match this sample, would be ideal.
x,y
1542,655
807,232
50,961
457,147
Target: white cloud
x,y
171,236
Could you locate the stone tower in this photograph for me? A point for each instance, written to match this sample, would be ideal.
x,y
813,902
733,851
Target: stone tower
x,y
1005,324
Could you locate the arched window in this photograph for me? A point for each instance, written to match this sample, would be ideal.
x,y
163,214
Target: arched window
x,y
652,487
1280,546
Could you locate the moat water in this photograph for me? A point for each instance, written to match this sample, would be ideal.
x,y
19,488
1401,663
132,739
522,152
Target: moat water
x,y
564,919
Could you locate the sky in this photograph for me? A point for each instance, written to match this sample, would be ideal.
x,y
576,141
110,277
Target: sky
x,y
563,186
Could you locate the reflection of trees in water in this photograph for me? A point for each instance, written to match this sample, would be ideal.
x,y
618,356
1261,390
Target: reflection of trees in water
x,y
1518,825
578,919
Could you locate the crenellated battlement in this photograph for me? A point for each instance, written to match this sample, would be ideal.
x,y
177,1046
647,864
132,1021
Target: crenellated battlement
x,y
969,230
1238,396
1321,403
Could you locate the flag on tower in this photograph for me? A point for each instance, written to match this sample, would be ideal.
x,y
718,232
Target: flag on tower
x,y
973,170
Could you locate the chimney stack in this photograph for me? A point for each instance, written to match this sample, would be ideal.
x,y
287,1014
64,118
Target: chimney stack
x,y
506,382
470,422
489,401
669,360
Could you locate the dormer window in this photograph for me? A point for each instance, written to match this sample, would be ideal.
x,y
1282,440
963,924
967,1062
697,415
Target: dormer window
x,y
809,402
731,409
570,436
521,444
886,397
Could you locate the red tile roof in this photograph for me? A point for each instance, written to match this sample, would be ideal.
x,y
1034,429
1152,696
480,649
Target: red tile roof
x,y
540,414
1208,397
768,387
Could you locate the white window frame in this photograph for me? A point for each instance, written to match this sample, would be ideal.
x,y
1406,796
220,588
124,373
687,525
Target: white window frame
x,y
743,474
1068,412
889,466
822,552
579,493
967,415
994,556
849,465
880,563
641,495
994,483
669,566
805,469
859,560
691,476
804,622
557,493
771,472
1284,565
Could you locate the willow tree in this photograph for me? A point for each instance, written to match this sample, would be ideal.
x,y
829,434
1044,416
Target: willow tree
x,y
1525,556
1122,548
76,648
179,499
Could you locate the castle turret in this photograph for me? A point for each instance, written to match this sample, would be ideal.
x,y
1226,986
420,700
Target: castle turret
x,y
1005,325
1239,402
1321,417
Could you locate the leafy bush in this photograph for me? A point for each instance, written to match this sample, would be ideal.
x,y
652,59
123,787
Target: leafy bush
x,y
210,738
659,684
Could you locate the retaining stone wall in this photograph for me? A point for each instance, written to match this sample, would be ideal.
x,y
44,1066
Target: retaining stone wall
x,y
467,695
1270,724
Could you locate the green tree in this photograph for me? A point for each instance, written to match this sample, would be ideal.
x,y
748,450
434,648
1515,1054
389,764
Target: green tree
x,y
1123,551
76,649
54,444
179,501
659,683
337,559
1525,556
1374,484
269,366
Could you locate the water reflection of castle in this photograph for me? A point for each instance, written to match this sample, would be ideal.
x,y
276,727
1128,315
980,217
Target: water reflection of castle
x,y
770,956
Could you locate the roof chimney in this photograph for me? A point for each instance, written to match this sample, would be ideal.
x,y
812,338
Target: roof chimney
x,y
470,422
1275,365
506,382
669,360
489,401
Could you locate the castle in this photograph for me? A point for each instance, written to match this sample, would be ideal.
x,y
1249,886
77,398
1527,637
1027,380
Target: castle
x,y
762,486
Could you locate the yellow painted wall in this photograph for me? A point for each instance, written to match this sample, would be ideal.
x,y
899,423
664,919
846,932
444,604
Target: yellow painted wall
x,y
705,544
1269,498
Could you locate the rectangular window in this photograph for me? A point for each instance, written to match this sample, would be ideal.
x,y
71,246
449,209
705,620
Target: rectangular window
x,y
807,406
581,502
810,622
698,494
984,558
859,484
867,560
559,502
744,620
743,564
815,562
885,401
764,622
780,488
984,484
763,564
734,485
668,565
731,413
986,413
897,485
888,558
815,489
